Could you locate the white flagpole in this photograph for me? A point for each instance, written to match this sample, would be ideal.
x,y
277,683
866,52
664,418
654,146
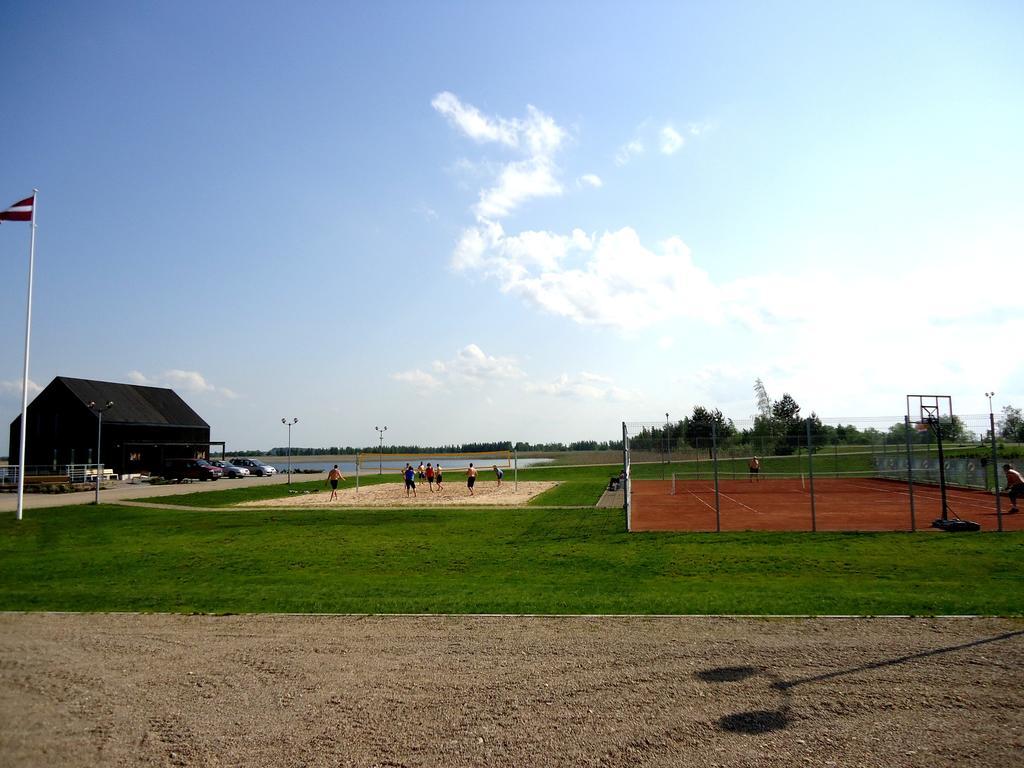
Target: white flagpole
x,y
24,381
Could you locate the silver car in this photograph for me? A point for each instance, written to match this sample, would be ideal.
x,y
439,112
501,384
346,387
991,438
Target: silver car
x,y
255,467
229,469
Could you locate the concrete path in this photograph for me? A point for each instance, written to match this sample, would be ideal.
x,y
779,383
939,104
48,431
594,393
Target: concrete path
x,y
119,491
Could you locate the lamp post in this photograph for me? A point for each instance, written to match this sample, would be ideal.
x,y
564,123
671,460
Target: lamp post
x,y
289,424
380,453
995,460
668,437
98,410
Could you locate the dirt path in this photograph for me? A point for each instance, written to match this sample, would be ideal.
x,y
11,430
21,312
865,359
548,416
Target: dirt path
x,y
123,689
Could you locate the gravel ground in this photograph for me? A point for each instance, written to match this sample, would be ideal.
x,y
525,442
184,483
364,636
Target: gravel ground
x,y
126,689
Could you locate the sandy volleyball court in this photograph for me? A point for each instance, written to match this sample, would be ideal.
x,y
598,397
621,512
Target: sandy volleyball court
x,y
393,495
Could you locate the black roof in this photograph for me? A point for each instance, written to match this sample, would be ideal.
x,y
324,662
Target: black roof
x,y
134,404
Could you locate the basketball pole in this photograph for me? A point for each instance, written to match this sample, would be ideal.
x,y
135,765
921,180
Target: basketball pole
x,y
910,474
942,466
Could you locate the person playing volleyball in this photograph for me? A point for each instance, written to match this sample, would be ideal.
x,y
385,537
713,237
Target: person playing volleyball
x,y
1014,486
410,479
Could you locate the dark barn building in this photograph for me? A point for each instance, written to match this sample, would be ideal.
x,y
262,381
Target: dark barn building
x,y
145,427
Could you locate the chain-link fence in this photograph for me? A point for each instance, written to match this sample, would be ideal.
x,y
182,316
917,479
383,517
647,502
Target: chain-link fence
x,y
899,465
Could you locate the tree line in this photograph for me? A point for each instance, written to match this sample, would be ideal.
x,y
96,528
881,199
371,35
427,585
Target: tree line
x,y
779,428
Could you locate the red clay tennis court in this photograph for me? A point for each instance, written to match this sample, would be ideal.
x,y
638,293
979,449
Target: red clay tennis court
x,y
840,504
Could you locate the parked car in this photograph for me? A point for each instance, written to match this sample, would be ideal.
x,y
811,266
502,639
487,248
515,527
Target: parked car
x,y
229,469
255,467
190,469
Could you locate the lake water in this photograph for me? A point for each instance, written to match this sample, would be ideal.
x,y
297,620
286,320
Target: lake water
x,y
349,467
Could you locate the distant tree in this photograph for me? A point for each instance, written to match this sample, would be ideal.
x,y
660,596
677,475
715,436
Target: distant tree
x,y
1011,424
764,403
699,427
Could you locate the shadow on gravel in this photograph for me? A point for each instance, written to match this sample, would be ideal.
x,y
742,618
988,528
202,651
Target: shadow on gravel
x,y
758,721
727,674
783,685
768,720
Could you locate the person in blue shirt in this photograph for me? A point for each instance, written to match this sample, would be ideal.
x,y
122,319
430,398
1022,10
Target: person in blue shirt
x,y
410,480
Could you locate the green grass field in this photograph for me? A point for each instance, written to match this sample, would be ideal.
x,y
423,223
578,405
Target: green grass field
x,y
520,560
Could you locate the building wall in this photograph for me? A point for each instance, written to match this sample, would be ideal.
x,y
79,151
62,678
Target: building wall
x,y
62,430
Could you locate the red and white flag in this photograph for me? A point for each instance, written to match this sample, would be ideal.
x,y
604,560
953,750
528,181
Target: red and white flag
x,y
20,211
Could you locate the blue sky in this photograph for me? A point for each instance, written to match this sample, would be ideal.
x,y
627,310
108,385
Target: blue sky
x,y
523,221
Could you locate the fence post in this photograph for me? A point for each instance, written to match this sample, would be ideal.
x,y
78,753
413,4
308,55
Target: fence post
x,y
995,470
910,472
714,464
627,471
810,475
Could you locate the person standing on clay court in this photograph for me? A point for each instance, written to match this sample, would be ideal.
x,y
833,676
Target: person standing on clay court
x,y
1014,486
755,467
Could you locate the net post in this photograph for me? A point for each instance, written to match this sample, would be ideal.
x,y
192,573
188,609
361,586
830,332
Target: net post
x,y
357,472
910,471
995,471
515,470
810,477
714,464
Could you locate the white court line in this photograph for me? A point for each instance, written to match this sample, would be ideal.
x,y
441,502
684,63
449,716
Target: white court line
x,y
967,501
711,489
698,498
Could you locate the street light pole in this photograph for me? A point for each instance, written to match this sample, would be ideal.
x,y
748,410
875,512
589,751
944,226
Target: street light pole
x,y
289,423
380,453
98,410
668,437
995,460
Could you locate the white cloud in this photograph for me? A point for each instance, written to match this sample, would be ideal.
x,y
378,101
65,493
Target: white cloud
x,y
583,386
698,129
590,180
191,382
424,210
475,125
610,280
471,367
666,342
13,388
516,184
671,140
537,137
628,151
419,379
